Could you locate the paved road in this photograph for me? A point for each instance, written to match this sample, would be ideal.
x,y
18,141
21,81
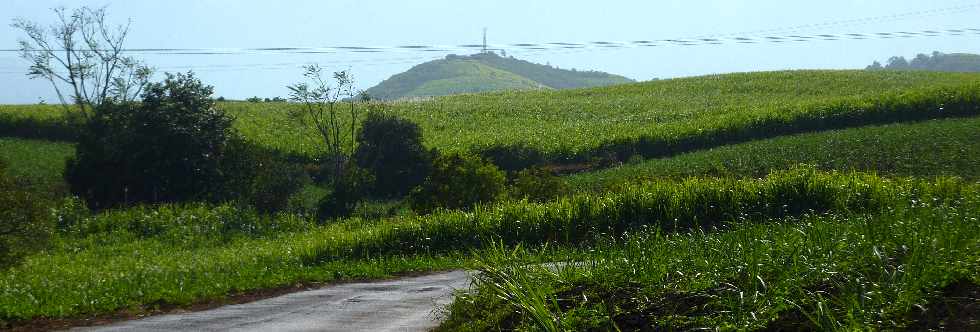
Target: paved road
x,y
407,304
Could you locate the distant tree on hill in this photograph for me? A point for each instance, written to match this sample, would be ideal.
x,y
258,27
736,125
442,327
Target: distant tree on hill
x,y
935,62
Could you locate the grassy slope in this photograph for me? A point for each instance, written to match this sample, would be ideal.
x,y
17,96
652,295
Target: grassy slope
x,y
549,76
442,77
932,148
570,121
576,120
481,73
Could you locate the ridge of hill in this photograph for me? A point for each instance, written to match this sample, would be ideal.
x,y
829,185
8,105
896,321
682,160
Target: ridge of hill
x,y
485,72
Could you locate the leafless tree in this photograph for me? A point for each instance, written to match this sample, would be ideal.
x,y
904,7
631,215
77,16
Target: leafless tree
x,y
322,107
83,52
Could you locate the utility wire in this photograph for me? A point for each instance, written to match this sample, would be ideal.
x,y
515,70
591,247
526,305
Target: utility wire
x,y
541,48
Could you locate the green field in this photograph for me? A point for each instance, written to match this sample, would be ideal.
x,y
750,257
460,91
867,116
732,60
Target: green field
x,y
40,163
932,148
570,124
652,119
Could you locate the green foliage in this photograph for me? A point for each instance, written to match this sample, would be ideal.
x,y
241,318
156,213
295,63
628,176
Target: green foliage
x,y
165,149
257,177
537,184
652,119
349,189
818,272
25,226
933,148
458,181
154,256
390,148
957,62
183,225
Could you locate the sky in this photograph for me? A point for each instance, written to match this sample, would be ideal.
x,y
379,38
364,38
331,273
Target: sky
x,y
319,23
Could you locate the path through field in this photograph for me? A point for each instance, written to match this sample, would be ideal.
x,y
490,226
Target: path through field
x,y
407,304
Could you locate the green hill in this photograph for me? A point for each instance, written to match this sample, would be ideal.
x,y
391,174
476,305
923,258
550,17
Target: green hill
x,y
483,73
955,62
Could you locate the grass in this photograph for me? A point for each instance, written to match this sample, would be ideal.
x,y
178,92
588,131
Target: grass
x,y
138,259
910,268
650,119
948,147
39,163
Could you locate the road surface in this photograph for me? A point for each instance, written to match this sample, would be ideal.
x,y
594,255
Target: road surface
x,y
407,304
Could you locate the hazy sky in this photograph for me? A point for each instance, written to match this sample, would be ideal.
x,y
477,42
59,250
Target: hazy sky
x,y
309,23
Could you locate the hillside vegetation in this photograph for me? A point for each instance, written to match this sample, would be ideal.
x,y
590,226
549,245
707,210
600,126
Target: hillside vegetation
x,y
934,148
651,119
483,73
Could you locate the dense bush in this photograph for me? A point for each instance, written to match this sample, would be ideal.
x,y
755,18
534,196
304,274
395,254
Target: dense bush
x,y
165,149
25,225
258,177
458,181
348,191
537,184
391,149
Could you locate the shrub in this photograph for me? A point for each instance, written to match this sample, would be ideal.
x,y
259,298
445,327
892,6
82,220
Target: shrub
x,y
258,177
25,226
391,149
165,149
458,181
537,184
348,190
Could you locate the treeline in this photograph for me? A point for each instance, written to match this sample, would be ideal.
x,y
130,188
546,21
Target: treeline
x,y
956,62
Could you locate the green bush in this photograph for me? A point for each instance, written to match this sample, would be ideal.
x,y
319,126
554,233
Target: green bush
x,y
165,149
458,181
25,226
347,192
537,184
258,177
391,149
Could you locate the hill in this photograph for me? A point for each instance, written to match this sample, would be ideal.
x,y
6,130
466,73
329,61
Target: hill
x,y
956,62
482,73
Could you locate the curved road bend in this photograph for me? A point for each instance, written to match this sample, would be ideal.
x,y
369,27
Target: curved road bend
x,y
407,304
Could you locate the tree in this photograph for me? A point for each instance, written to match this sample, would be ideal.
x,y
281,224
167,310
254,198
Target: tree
x,y
85,53
167,148
321,111
897,63
875,66
391,149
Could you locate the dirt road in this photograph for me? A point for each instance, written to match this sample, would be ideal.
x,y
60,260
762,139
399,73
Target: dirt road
x,y
408,304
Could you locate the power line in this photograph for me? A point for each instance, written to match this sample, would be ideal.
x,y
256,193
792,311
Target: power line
x,y
561,45
542,48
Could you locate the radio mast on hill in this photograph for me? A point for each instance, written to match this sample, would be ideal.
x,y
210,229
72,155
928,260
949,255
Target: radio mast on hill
x,y
484,40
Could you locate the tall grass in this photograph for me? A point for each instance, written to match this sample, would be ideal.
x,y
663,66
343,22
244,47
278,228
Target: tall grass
x,y
813,273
